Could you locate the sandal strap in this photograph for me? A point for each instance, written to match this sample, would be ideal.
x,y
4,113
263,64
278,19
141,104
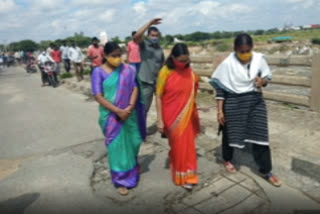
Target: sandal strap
x,y
272,178
269,175
229,164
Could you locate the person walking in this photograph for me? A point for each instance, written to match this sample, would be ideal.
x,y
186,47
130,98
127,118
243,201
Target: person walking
x,y
133,53
64,49
76,57
122,116
56,56
152,58
242,111
178,118
95,54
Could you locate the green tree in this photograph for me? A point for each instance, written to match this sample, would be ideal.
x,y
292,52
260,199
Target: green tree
x,y
127,39
116,40
258,32
43,45
197,36
25,45
58,42
169,39
80,40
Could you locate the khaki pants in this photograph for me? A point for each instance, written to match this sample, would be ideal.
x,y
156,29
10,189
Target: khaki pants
x,y
79,70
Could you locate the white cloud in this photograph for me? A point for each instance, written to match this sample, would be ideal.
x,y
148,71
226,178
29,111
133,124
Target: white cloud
x,y
140,8
53,19
304,3
47,4
6,6
98,2
107,16
207,7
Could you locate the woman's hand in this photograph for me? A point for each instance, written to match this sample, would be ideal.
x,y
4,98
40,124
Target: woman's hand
x,y
221,118
160,126
129,109
259,82
123,114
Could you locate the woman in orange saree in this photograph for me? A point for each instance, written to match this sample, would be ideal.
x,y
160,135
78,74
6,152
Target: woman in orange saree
x,y
178,116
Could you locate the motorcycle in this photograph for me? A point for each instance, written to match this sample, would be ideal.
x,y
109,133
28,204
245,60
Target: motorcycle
x,y
50,69
31,65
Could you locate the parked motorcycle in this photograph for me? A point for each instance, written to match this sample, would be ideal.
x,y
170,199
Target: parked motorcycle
x,y
31,65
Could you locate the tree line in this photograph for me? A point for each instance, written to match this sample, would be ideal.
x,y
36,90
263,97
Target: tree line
x,y
84,41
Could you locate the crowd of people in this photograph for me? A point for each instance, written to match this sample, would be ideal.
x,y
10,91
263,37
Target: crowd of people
x,y
67,55
11,58
125,93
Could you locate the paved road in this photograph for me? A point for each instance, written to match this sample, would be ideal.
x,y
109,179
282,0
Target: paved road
x,y
36,120
52,160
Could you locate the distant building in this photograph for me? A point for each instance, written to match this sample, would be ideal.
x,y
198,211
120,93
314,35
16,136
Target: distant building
x,y
313,26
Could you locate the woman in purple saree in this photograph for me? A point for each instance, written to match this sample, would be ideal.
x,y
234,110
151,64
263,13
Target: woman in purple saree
x,y
122,116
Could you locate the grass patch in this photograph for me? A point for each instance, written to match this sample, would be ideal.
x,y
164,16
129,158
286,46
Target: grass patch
x,y
66,75
86,72
223,47
302,35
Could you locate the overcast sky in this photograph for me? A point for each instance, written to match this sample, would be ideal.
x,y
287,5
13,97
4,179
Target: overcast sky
x,y
53,19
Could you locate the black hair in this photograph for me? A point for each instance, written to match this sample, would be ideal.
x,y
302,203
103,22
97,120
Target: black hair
x,y
110,47
243,39
153,29
178,50
95,39
133,33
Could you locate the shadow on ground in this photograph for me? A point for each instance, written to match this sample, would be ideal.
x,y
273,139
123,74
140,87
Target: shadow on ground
x,y
19,204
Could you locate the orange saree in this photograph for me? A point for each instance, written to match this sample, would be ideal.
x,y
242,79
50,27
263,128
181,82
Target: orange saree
x,y
178,90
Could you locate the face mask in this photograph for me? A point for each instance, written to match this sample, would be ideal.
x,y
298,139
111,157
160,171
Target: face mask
x,y
154,40
179,65
114,61
244,57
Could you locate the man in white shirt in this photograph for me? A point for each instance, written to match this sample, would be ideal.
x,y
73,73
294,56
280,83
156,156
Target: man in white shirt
x,y
76,57
42,59
64,55
17,56
50,48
